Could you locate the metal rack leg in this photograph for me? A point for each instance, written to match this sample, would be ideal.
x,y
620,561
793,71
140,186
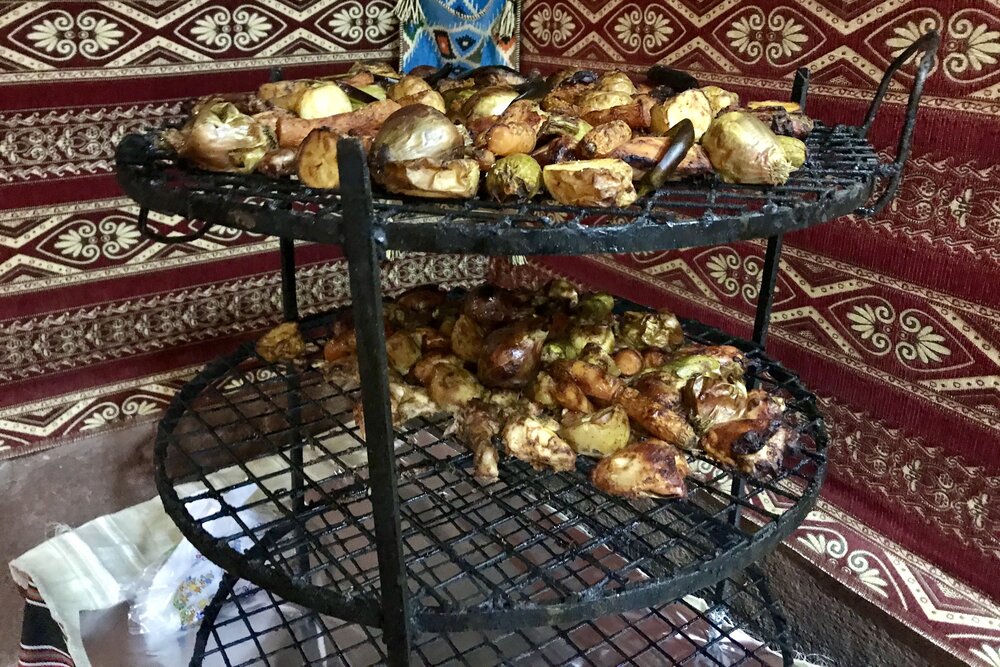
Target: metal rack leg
x,y
765,301
361,244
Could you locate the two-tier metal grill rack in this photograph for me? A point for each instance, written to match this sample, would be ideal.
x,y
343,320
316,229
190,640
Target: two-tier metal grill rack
x,y
389,548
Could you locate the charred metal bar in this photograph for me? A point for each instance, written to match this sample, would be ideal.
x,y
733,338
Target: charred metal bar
x,y
768,280
800,87
364,247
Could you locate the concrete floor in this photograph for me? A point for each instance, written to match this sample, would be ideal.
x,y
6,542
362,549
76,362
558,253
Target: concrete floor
x,y
77,482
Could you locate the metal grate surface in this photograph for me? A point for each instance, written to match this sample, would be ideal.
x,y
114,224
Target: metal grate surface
x,y
838,177
745,626
533,548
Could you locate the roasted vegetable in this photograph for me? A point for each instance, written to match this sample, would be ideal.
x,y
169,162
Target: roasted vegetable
x,y
691,104
616,82
407,86
451,386
432,178
720,99
514,178
603,139
282,343
596,434
595,308
561,124
504,139
413,132
644,329
275,90
402,351
596,100
322,100
637,113
487,102
743,150
649,468
278,162
430,98
560,289
583,334
220,138
511,355
782,123
466,339
364,122
561,149
644,153
454,101
317,159
606,182
490,305
628,361
794,150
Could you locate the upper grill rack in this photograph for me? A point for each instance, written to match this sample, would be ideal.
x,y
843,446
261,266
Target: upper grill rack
x,y
838,177
534,548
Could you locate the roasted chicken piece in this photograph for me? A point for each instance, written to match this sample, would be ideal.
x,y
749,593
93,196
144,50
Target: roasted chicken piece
x,y
535,440
660,420
476,424
406,402
712,400
552,393
650,468
593,380
448,382
755,443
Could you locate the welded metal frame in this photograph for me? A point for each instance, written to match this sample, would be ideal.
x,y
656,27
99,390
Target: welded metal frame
x,y
299,213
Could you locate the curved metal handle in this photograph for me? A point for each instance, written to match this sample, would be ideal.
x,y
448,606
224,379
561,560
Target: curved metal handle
x,y
928,45
143,222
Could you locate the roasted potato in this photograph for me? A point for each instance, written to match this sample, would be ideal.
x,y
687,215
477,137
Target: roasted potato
x,y
596,434
317,159
431,98
274,90
408,86
432,178
321,101
616,82
691,104
491,101
606,182
508,138
628,361
221,138
511,355
720,99
603,139
597,100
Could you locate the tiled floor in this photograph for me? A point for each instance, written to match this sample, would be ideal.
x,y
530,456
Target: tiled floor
x,y
98,475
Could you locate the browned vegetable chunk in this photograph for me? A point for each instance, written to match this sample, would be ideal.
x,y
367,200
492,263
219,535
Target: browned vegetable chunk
x,y
278,163
432,178
511,355
282,343
603,139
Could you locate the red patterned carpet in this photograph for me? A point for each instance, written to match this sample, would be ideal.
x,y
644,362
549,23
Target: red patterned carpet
x,y
894,321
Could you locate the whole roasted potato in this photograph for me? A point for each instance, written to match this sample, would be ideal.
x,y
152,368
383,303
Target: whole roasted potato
x,y
407,86
616,82
596,434
431,98
597,100
320,101
606,182
466,339
517,177
317,159
511,355
720,98
508,138
491,101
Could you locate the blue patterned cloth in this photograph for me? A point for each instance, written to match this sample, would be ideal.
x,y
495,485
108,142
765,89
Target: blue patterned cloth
x,y
467,33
